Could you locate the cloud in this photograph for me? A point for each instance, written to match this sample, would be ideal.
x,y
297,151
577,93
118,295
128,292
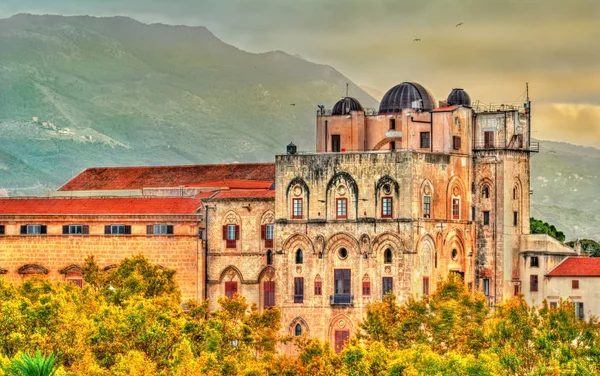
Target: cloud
x,y
579,123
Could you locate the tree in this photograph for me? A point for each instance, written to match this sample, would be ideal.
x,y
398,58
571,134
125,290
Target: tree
x,y
588,246
541,227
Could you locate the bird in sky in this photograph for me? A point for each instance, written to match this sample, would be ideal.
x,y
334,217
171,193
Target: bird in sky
x,y
416,40
459,24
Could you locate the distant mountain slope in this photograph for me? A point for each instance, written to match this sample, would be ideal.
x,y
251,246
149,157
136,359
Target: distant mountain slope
x,y
565,180
113,91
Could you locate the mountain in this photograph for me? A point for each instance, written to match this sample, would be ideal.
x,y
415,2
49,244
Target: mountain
x,y
85,91
565,180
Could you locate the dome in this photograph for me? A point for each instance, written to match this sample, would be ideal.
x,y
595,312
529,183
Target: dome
x,y
459,97
402,96
345,106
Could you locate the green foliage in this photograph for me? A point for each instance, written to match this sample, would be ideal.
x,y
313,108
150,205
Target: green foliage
x,y
541,227
38,365
588,246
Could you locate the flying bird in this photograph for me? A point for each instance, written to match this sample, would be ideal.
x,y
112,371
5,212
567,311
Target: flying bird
x,y
416,40
459,24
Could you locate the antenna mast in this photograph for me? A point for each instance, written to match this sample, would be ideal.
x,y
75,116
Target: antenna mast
x,y
528,113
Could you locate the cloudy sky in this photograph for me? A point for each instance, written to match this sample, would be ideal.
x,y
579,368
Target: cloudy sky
x,y
552,44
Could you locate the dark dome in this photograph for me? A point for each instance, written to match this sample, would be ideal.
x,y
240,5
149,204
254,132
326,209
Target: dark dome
x,y
345,106
459,97
402,96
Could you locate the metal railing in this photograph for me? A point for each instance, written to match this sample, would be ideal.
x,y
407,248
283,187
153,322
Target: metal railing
x,y
482,145
339,299
328,112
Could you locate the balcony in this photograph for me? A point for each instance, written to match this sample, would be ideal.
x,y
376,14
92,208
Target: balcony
x,y
341,300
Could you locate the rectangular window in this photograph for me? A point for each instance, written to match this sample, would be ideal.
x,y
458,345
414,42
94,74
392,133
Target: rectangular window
x,y
2,230
393,145
486,287
76,230
426,206
456,122
366,288
159,229
298,290
455,208
534,262
341,286
425,140
34,229
387,285
297,208
579,310
425,286
230,289
575,284
392,123
318,288
341,336
269,294
456,142
472,213
516,292
533,283
342,208
336,144
117,230
488,139
266,233
386,207
553,305
486,218
231,234
515,218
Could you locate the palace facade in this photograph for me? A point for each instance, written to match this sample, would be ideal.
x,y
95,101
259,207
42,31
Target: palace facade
x,y
392,200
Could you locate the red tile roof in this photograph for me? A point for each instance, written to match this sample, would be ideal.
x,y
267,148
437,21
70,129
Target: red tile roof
x,y
577,267
245,193
445,109
100,205
117,178
234,184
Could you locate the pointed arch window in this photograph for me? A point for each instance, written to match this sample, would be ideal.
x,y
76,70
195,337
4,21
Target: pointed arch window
x,y
485,192
426,206
456,208
387,256
298,330
269,257
299,257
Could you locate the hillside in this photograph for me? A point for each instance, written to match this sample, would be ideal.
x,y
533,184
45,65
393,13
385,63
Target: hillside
x,y
113,91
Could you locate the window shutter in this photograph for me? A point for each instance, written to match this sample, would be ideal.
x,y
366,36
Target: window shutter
x,y
65,229
149,229
169,229
128,229
43,229
86,229
224,232
107,230
263,230
234,287
237,232
23,229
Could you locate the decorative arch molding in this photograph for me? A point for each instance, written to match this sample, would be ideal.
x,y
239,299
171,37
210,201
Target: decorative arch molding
x,y
365,243
296,241
456,185
426,183
301,321
294,182
425,254
340,322
230,272
387,180
267,217
32,269
387,240
348,180
72,269
517,185
386,141
342,238
231,218
455,181
268,273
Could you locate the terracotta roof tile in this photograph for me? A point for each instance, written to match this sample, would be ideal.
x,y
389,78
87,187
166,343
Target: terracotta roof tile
x,y
245,193
118,178
577,267
100,205
445,109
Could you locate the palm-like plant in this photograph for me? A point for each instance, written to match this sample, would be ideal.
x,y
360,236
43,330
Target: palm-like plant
x,y
38,365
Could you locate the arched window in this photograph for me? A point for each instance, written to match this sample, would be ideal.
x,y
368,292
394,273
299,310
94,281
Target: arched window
x,y
515,193
298,330
299,257
485,192
387,256
269,257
